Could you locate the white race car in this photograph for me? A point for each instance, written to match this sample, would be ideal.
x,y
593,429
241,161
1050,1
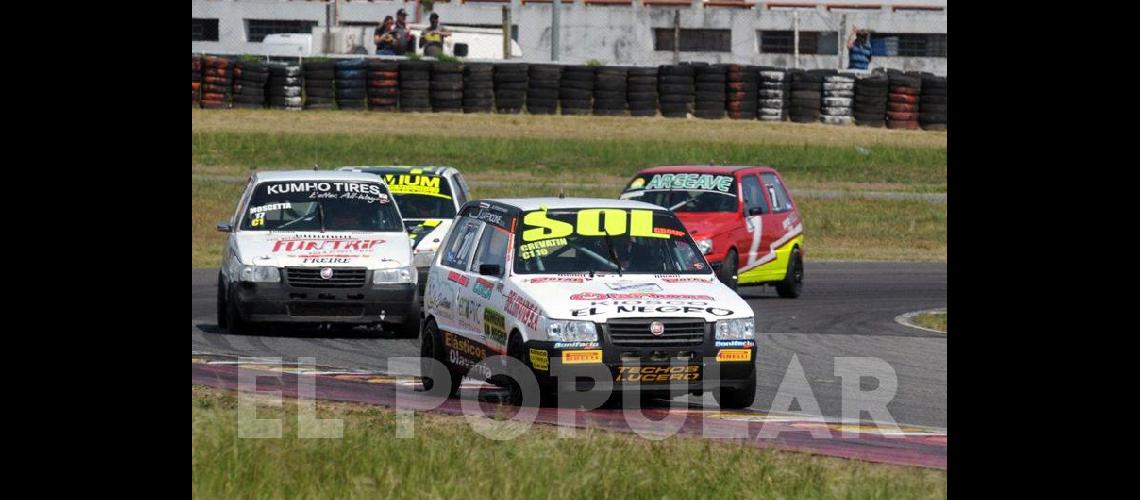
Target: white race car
x,y
577,284
320,248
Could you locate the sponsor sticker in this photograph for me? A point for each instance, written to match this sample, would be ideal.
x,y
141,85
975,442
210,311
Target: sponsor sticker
x,y
626,286
522,309
539,359
556,279
414,184
581,357
458,278
495,326
658,374
705,182
364,191
483,288
638,296
575,345
735,343
733,355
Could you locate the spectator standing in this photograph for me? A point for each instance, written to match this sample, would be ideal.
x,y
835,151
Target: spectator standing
x,y
384,39
859,49
404,39
432,41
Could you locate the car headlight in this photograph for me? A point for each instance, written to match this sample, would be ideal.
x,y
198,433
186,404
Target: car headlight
x,y
736,329
395,275
572,331
260,274
705,246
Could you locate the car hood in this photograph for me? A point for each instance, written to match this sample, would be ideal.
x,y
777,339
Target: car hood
x,y
329,249
703,225
608,296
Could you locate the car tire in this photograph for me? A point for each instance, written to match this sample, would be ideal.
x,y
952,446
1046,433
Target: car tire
x,y
735,399
220,310
793,282
234,323
727,273
429,348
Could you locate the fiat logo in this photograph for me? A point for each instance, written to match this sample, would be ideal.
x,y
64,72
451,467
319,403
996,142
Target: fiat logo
x,y
326,273
656,328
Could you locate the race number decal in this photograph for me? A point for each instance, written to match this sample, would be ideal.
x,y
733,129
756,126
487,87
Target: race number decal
x,y
591,222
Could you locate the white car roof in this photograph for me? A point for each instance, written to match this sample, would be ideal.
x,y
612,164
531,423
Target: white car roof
x,y
314,175
445,171
527,204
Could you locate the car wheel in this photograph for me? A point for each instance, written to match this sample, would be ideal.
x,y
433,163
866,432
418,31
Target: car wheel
x,y
429,349
234,322
514,390
735,399
220,309
728,270
793,282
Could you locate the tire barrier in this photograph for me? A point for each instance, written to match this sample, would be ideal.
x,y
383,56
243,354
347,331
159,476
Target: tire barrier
x,y
709,96
807,96
284,86
773,96
446,87
742,84
641,91
871,100
478,88
902,100
675,88
510,87
542,88
415,79
838,99
350,80
195,78
318,83
383,81
611,83
932,103
217,82
250,79
576,90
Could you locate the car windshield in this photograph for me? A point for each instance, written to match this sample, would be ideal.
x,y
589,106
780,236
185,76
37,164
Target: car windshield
x,y
685,192
421,195
599,240
321,205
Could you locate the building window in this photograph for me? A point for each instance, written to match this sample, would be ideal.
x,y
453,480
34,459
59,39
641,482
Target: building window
x,y
693,40
909,44
256,29
204,30
824,43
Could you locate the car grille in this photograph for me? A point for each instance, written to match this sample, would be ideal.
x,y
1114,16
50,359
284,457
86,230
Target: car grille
x,y
310,277
329,309
679,332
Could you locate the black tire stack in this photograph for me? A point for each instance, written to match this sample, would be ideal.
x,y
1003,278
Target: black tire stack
x,y
742,84
195,79
710,91
446,87
871,100
611,83
383,79
641,91
542,89
217,82
284,86
838,99
415,81
351,79
902,101
250,78
932,104
478,88
510,87
318,84
675,88
576,90
774,94
807,96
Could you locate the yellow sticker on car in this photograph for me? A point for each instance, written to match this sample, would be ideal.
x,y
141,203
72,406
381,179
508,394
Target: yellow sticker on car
x,y
581,357
733,355
539,359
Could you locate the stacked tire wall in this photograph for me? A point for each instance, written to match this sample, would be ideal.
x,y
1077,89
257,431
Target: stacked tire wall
x,y
195,79
284,86
902,101
318,78
511,83
250,79
774,93
576,90
675,87
478,88
709,100
542,88
641,91
217,82
610,87
932,104
383,80
838,99
742,84
871,100
350,79
807,96
446,87
415,81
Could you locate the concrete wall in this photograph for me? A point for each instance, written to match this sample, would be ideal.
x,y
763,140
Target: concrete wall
x,y
611,34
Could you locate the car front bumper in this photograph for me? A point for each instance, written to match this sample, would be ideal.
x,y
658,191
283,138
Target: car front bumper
x,y
282,303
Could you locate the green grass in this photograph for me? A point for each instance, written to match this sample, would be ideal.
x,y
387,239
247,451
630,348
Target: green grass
x,y
936,321
446,459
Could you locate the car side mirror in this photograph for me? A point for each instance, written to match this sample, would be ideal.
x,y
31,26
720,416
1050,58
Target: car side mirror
x,y
756,211
225,227
490,270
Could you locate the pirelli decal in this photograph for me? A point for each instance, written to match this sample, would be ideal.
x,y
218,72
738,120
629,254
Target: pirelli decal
x,y
733,355
581,357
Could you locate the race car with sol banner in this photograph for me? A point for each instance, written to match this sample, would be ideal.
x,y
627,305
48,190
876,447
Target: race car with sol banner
x,y
319,248
429,198
743,219
609,289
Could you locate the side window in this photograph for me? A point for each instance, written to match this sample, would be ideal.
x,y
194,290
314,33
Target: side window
x,y
492,249
753,195
459,189
462,243
777,192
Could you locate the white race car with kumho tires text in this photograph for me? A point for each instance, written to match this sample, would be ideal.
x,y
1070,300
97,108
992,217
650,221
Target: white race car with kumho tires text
x,y
615,290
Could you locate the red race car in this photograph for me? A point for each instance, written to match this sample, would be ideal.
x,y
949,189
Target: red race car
x,y
742,218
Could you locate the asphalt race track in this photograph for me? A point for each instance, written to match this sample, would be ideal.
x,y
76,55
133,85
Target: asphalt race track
x,y
847,309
